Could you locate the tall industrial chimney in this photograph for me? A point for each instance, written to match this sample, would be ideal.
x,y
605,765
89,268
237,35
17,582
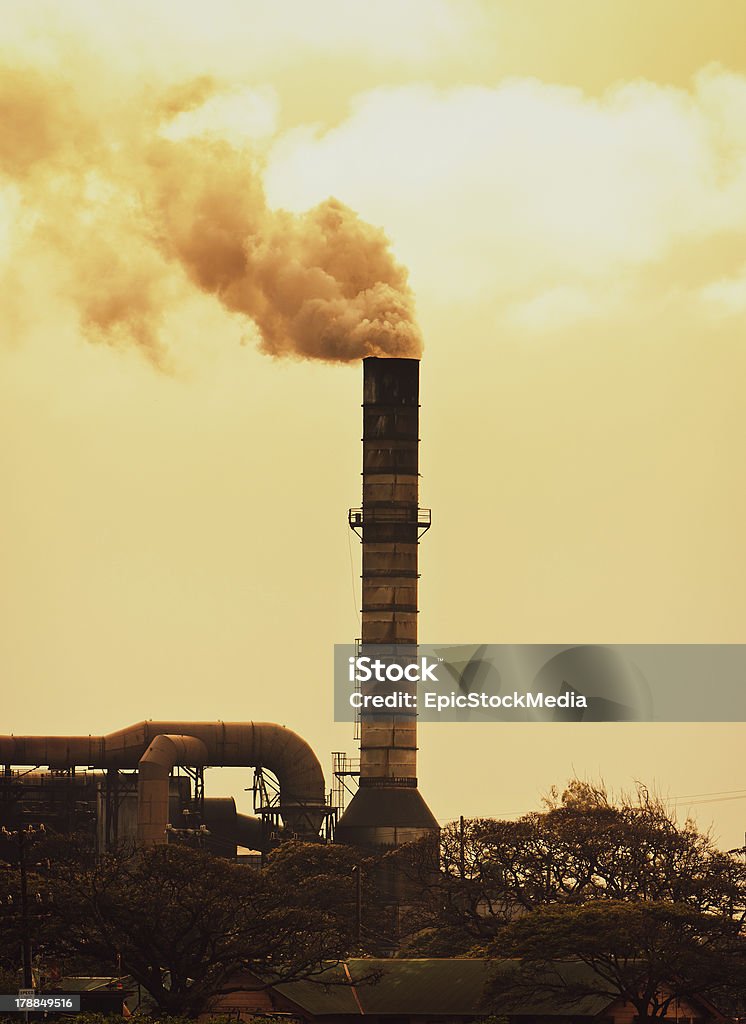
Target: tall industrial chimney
x,y
387,809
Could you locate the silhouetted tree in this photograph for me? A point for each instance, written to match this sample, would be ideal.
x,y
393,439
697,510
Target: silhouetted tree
x,y
324,878
184,922
648,953
583,847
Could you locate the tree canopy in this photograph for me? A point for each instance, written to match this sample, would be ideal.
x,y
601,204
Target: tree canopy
x,y
184,923
586,879
583,847
649,953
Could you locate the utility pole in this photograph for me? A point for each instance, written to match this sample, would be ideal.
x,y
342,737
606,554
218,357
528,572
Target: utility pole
x,y
24,836
28,980
358,872
462,850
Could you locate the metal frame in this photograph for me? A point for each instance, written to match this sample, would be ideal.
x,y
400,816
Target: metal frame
x,y
49,797
197,775
344,768
358,518
267,806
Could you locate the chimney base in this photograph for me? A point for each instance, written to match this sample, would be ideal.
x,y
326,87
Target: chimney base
x,y
381,816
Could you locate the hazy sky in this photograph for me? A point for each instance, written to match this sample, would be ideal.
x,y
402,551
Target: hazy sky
x,y
566,184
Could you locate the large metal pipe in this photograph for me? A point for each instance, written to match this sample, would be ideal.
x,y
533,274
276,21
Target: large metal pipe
x,y
228,744
387,809
153,774
226,825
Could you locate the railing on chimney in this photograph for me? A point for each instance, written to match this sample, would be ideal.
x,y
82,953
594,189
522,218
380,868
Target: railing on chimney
x,y
358,518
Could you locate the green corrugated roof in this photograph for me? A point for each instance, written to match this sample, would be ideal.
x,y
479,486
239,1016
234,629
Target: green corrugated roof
x,y
433,986
327,993
546,1005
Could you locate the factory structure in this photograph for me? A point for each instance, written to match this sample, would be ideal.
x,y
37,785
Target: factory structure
x,y
387,809
144,784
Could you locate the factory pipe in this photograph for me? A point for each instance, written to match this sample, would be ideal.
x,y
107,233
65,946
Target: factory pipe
x,y
228,744
153,774
225,823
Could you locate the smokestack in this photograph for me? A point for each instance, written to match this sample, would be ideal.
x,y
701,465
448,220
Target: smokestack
x,y
387,809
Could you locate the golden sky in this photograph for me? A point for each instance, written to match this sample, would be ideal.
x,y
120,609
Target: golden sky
x,y
566,184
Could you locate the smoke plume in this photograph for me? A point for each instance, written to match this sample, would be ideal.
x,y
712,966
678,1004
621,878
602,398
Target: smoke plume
x,y
133,219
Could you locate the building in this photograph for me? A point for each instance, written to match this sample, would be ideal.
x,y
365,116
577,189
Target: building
x,y
426,991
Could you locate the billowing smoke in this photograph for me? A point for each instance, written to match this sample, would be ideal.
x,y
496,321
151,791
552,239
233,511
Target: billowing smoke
x,y
131,216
